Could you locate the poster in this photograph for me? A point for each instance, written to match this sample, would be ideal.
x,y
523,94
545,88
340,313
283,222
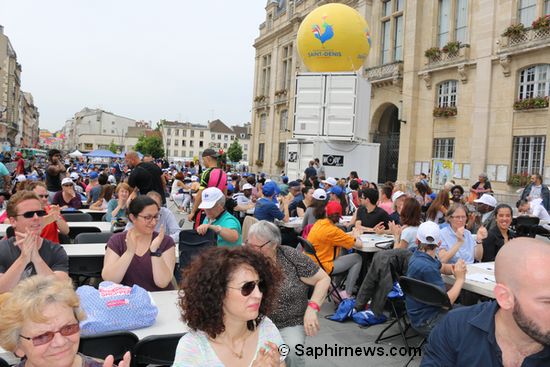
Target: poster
x,y
502,173
442,171
457,170
417,168
466,171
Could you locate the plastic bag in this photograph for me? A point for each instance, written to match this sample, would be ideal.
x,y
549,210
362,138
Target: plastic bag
x,y
368,318
345,310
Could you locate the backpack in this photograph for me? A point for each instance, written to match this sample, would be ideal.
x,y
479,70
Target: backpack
x,y
218,178
191,244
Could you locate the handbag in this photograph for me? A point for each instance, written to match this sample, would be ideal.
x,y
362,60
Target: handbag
x,y
115,307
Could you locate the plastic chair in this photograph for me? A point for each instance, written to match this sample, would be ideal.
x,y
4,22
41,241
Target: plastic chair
x,y
78,217
191,244
101,345
309,249
247,223
83,268
426,293
92,237
156,350
3,363
525,225
64,239
75,231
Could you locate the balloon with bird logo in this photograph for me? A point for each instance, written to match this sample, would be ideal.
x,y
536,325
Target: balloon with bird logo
x,y
332,38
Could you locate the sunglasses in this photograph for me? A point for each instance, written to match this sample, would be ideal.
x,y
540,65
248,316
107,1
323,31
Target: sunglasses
x,y
31,214
248,287
47,337
43,196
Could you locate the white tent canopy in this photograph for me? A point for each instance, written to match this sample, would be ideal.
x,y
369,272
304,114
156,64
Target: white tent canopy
x,y
76,154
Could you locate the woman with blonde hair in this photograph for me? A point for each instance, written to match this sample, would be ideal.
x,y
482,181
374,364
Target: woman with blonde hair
x,y
40,324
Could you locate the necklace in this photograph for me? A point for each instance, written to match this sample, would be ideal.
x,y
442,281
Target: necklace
x,y
228,345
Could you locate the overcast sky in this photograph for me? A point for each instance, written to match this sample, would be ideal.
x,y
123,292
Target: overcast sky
x,y
186,60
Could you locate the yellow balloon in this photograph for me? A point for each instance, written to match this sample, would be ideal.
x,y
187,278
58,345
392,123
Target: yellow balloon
x,y
334,37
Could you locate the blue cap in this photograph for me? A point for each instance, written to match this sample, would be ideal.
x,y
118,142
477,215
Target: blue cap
x,y
270,188
230,187
336,190
93,175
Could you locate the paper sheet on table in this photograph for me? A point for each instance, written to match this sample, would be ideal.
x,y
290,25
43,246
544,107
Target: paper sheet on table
x,y
485,266
481,278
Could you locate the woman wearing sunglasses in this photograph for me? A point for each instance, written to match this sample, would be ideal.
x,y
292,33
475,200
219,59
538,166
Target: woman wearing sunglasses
x,y
40,325
225,295
140,255
294,315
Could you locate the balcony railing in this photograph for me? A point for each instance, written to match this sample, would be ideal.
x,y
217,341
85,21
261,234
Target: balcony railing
x,y
531,38
385,74
449,58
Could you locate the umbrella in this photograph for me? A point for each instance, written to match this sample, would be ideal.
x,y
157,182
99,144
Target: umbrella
x,y
101,153
76,154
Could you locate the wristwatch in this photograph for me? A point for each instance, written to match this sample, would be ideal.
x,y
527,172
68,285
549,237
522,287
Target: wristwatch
x,y
155,253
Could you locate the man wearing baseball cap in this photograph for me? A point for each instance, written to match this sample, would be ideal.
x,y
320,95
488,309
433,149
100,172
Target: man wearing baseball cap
x,y
245,201
266,208
424,266
218,219
485,205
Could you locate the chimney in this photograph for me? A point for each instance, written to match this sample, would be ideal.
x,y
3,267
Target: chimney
x,y
1,29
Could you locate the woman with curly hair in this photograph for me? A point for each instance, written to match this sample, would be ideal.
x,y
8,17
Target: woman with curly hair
x,y
224,297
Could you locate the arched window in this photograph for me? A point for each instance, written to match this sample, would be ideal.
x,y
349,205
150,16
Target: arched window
x,y
534,82
446,94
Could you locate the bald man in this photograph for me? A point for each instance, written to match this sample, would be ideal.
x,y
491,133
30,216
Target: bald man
x,y
146,176
513,330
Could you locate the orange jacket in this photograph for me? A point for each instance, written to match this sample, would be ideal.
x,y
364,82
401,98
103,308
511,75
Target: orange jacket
x,y
326,238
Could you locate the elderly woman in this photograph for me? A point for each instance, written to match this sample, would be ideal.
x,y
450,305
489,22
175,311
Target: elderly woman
x,y
482,186
293,315
67,197
226,225
225,296
40,324
456,241
326,238
116,208
140,255
499,235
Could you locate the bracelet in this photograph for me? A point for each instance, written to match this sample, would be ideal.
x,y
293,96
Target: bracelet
x,y
314,305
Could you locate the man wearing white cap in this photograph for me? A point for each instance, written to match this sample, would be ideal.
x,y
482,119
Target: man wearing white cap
x,y
244,200
485,205
218,219
424,266
328,183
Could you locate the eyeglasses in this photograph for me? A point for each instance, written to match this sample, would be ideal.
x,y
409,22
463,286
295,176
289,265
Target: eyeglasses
x,y
47,337
43,196
248,287
31,214
463,217
258,247
68,185
149,218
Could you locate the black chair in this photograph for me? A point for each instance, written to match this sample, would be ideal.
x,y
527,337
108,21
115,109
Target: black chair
x,y
101,237
426,293
525,225
75,231
398,311
309,249
156,350
64,239
3,363
191,244
83,268
101,345
77,217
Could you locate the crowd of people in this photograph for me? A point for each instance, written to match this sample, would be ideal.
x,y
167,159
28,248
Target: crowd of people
x,y
257,288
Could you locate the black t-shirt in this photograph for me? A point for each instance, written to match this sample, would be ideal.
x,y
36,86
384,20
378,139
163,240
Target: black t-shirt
x,y
146,176
493,243
53,255
53,182
373,218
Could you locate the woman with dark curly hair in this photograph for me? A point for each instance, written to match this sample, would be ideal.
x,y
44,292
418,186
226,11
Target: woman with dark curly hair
x,y
224,297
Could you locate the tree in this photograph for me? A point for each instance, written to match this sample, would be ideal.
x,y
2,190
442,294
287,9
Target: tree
x,y
150,145
235,151
113,147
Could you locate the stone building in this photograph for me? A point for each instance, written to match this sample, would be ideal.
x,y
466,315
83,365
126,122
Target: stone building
x,y
10,89
458,88
183,141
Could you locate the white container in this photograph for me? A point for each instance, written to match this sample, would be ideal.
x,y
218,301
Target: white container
x,y
338,157
332,105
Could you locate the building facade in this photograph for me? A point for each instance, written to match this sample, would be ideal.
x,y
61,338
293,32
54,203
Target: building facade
x,y
10,88
458,87
242,133
183,141
221,135
92,129
28,130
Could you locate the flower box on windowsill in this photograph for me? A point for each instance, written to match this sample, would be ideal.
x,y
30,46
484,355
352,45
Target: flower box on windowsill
x,y
529,104
445,111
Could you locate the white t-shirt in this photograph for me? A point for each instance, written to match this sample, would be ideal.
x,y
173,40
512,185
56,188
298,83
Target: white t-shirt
x,y
409,235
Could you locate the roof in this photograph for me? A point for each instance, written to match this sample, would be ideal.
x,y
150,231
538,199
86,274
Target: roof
x,y
183,125
241,130
217,126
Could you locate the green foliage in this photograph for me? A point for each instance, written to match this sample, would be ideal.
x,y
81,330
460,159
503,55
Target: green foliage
x,y
150,145
432,53
451,47
531,103
445,111
514,30
113,147
235,151
519,179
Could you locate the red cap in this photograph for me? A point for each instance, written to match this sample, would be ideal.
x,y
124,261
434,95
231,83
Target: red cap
x,y
19,154
334,207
